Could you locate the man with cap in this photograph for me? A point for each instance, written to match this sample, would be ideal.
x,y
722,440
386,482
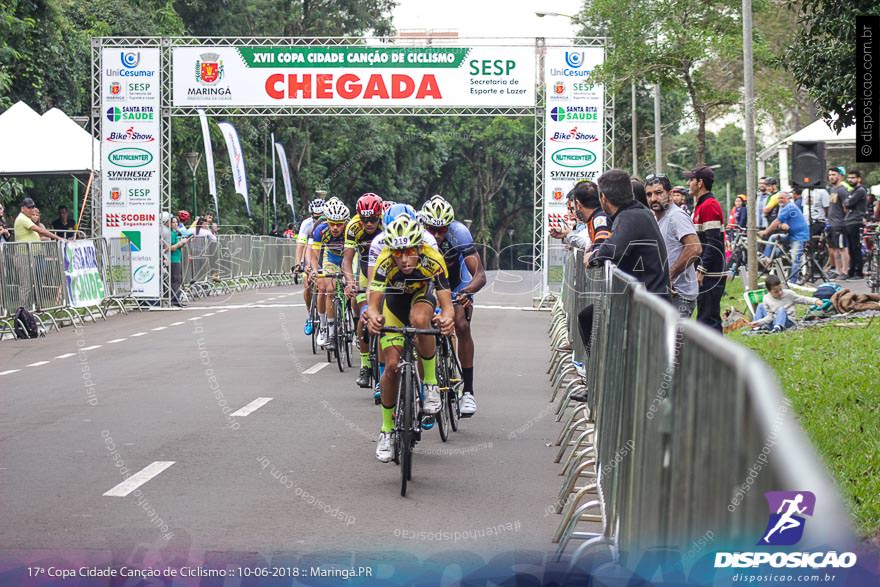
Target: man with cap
x,y
26,229
708,221
771,206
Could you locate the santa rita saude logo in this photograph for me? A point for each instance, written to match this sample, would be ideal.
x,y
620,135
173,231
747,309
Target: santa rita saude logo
x,y
131,114
560,113
785,527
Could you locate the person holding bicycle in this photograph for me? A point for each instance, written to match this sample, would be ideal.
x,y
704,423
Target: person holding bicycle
x,y
466,277
359,234
316,209
791,220
328,243
410,280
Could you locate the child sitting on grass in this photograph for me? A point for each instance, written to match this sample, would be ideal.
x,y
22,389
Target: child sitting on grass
x,y
776,312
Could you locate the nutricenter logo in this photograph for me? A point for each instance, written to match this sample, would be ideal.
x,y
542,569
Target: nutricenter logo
x,y
573,157
785,527
130,157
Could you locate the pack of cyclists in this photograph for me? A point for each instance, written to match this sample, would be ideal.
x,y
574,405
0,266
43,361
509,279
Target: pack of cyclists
x,y
402,268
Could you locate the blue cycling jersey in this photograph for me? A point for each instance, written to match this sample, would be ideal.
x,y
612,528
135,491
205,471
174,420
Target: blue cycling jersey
x,y
458,244
332,246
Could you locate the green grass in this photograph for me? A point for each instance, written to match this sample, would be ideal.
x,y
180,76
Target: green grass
x,y
831,374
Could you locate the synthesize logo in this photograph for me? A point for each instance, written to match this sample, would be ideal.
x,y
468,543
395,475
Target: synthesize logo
x,y
209,69
130,59
574,59
786,524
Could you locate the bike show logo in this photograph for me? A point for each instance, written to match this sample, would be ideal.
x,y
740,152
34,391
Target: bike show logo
x,y
126,219
785,527
131,114
582,113
130,136
573,157
573,136
130,157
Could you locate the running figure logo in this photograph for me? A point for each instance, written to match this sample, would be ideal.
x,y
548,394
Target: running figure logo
x,y
787,508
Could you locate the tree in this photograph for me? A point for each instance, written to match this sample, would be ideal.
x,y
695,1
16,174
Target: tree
x,y
822,56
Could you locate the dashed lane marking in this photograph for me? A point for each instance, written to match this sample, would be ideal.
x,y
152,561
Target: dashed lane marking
x,y
138,479
315,368
252,407
38,364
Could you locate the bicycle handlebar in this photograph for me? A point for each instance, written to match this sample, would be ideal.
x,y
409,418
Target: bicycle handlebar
x,y
411,330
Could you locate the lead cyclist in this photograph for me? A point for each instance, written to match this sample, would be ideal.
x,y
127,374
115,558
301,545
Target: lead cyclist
x,y
466,277
316,209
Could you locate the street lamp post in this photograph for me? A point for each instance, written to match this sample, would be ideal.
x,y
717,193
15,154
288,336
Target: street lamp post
x,y
510,234
268,183
192,159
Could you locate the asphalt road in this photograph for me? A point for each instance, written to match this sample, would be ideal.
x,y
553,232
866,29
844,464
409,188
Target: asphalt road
x,y
82,410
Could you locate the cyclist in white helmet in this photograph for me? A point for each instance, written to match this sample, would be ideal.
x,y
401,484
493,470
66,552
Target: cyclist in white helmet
x,y
316,209
328,244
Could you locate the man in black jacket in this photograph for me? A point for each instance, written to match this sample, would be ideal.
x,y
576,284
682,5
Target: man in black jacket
x,y
855,206
635,245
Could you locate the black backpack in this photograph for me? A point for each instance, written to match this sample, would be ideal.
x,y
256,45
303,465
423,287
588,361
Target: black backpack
x,y
25,324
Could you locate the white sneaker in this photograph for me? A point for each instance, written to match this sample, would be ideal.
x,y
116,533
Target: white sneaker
x,y
322,337
468,405
432,399
384,451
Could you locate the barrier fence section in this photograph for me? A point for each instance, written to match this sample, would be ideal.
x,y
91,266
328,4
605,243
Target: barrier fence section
x,y
32,275
681,434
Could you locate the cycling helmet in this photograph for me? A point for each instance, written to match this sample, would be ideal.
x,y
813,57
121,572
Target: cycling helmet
x,y
437,212
369,206
386,204
395,211
316,206
336,211
403,233
183,216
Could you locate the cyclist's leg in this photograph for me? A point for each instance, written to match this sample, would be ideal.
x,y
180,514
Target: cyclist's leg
x,y
329,296
394,310
420,315
360,301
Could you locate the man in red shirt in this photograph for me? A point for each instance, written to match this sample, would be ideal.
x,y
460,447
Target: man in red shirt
x,y
708,220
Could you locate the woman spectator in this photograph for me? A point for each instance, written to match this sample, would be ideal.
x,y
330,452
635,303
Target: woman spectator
x,y
291,231
5,233
177,243
738,211
203,229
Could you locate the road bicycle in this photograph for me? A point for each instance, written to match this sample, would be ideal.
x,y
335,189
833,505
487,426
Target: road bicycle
x,y
451,386
872,257
345,329
408,414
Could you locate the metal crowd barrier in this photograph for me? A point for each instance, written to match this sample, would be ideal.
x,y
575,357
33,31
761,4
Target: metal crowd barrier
x,y
682,433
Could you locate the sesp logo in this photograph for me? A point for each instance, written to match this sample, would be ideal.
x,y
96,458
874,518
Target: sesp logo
x,y
574,59
786,524
130,59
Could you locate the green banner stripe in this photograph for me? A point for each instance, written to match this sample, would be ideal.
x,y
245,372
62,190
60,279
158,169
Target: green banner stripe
x,y
353,57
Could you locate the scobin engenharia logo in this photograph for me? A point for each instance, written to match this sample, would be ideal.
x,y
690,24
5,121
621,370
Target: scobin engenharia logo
x,y
785,527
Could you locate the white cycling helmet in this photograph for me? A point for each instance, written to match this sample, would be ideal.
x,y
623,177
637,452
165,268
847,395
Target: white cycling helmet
x,y
437,212
316,206
336,211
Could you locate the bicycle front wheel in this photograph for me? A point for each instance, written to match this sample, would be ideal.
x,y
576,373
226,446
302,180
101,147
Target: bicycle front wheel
x,y
405,411
340,332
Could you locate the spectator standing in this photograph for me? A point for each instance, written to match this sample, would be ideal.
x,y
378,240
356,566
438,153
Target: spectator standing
x,y
742,214
639,191
183,217
682,244
5,234
175,243
837,243
792,220
855,207
771,208
679,198
761,202
290,232
734,214
708,221
815,208
572,236
64,223
635,245
27,224
202,228
777,309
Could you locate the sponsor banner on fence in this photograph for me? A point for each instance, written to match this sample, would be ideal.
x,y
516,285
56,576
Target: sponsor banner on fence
x,y
85,287
574,125
353,76
130,154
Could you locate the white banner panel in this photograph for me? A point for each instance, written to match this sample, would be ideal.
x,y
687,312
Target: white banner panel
x,y
209,160
285,174
353,76
574,131
236,161
130,159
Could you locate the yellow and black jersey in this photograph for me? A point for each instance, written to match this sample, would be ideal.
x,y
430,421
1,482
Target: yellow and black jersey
x,y
357,238
430,270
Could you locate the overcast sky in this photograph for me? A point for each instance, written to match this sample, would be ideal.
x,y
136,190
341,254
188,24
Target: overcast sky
x,y
489,18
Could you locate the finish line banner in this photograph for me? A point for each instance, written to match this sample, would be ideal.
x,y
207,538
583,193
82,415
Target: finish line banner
x,y
354,76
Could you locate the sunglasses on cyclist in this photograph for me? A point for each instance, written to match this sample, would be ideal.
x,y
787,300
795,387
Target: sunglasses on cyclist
x,y
336,224
438,230
408,252
369,219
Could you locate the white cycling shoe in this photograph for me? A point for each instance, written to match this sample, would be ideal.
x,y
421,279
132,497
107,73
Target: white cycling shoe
x,y
322,337
384,450
468,405
432,399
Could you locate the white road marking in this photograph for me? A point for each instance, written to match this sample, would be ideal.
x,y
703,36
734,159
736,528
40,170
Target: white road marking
x,y
138,479
194,318
207,315
175,324
115,340
38,364
91,348
221,311
252,407
498,307
9,372
158,328
136,334
315,368
65,355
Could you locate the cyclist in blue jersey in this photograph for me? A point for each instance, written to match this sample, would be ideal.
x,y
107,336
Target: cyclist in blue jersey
x,y
328,239
316,209
466,277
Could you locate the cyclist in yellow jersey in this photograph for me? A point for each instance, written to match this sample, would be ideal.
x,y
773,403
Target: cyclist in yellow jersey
x,y
359,234
410,279
328,239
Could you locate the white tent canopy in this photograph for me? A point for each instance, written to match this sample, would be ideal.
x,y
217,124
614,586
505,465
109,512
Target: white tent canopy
x,y
815,132
51,144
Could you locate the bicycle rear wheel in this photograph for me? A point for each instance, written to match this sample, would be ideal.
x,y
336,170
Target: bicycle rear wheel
x,y
443,384
350,334
313,317
404,411
340,332
456,385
